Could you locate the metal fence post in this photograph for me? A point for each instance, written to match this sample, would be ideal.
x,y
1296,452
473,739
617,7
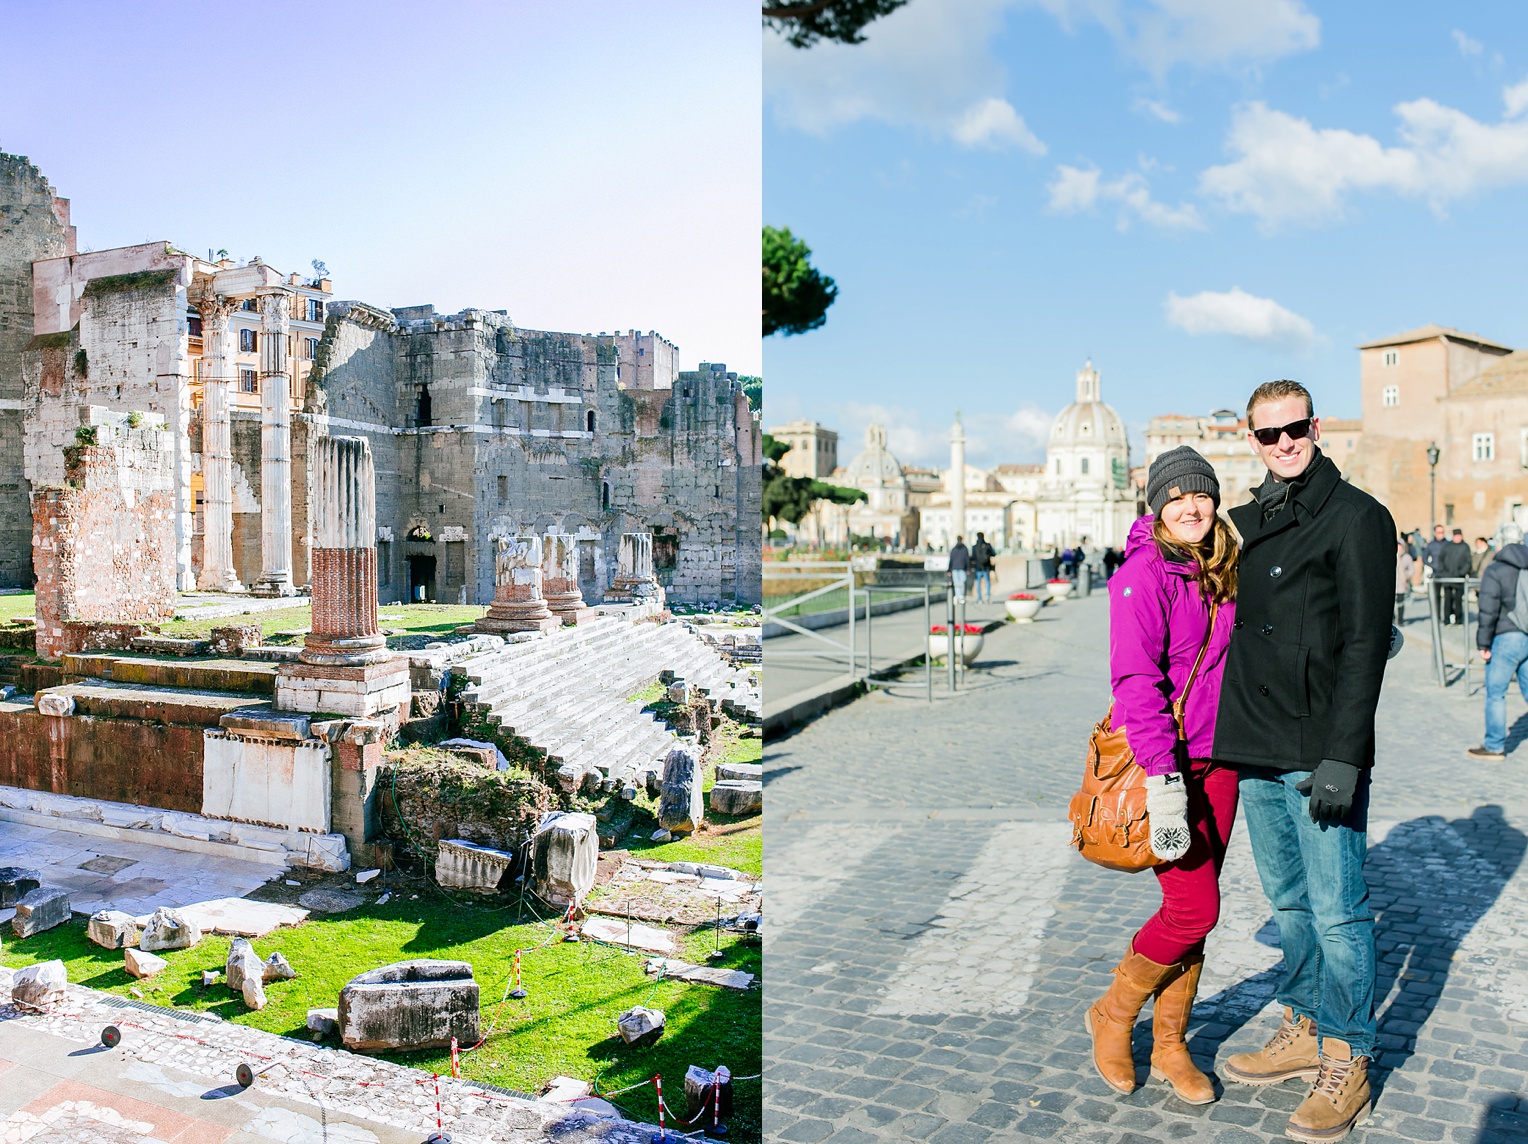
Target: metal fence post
x,y
869,630
853,647
1434,623
949,630
928,659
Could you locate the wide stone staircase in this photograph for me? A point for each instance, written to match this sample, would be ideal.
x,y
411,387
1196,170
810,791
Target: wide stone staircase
x,y
567,696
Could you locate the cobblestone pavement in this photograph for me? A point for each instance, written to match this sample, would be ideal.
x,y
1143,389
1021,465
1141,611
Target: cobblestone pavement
x,y
934,942
172,1081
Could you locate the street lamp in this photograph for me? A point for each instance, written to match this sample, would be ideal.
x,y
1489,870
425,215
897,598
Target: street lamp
x,y
1432,481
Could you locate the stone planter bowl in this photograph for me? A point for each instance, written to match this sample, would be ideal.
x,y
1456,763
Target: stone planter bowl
x,y
1060,591
1024,611
969,646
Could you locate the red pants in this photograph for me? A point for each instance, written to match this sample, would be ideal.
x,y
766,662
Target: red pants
x,y
1191,885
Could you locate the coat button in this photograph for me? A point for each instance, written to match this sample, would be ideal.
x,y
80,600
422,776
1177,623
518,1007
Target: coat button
x,y
1263,688
1238,624
1275,571
1268,629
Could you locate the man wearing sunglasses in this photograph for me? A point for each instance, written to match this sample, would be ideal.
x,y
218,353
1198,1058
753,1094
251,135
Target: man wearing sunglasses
x,y
1301,685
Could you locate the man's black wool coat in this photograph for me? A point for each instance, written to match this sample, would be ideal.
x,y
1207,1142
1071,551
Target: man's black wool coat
x,y
1315,596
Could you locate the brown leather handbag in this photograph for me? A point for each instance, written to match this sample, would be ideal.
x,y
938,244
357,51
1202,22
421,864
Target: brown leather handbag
x,y
1108,814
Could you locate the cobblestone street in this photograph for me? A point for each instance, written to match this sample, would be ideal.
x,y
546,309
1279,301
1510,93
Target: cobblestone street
x,y
934,941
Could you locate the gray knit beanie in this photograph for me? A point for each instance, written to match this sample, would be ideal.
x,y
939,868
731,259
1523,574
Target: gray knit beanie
x,y
1177,472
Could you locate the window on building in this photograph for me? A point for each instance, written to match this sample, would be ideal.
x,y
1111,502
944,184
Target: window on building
x,y
1484,446
1392,357
1058,466
1084,466
315,309
589,421
250,305
1448,514
422,414
605,496
249,341
194,326
249,381
384,563
503,489
310,348
1390,396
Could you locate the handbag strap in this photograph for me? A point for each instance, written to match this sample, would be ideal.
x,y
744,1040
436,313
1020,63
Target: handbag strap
x,y
1182,700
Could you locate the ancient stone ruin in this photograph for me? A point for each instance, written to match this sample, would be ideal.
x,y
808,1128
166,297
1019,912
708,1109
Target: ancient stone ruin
x,y
559,585
518,602
419,1004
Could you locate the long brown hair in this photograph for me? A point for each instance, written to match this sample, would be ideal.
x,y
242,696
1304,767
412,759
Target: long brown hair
x,y
1215,557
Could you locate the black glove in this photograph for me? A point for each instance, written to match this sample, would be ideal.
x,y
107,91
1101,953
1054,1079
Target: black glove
x,y
1331,787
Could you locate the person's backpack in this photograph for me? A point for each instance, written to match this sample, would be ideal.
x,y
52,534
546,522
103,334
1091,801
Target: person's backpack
x,y
1518,616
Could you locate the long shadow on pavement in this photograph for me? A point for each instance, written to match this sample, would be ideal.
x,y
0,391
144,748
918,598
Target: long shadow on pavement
x,y
1430,882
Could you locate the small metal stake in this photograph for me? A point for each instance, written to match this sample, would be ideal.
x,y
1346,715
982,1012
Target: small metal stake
x,y
717,952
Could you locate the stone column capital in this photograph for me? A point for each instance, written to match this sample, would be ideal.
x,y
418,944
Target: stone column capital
x,y
275,310
216,307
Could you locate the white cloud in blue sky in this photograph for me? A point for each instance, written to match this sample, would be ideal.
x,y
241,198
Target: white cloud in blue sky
x,y
1237,314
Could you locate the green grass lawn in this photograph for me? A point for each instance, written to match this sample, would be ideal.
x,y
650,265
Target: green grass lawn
x,y
410,619
565,1026
18,605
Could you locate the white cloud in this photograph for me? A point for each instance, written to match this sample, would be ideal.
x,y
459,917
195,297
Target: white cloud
x,y
1157,110
1240,315
1082,188
1160,34
994,124
1287,171
925,66
1467,45
914,439
1515,98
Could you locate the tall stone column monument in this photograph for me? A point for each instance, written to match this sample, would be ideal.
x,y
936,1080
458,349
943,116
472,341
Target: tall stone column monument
x,y
634,579
275,450
345,667
218,574
518,603
559,567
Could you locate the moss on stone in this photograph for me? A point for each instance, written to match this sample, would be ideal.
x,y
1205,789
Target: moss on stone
x,y
138,280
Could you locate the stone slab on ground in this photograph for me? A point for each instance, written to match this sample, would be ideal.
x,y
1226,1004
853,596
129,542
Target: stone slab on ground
x,y
174,1074
635,936
932,953
326,901
41,909
239,917
703,974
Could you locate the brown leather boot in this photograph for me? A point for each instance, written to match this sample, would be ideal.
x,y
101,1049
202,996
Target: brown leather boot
x,y
1170,1060
1339,1100
1113,1016
1293,1052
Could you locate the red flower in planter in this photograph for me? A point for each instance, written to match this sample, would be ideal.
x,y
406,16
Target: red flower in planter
x,y
1058,580
1022,596
965,629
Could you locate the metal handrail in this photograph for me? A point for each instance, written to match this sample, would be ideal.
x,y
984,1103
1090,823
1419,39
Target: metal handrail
x,y
1441,666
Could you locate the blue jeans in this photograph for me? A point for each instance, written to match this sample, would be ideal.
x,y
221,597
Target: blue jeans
x,y
1313,874
958,581
1509,657
982,577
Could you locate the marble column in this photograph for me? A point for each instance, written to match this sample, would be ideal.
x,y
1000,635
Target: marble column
x,y
218,573
518,603
344,627
559,568
275,450
634,579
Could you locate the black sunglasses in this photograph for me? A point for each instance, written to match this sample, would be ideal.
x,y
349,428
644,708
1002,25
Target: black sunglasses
x,y
1295,429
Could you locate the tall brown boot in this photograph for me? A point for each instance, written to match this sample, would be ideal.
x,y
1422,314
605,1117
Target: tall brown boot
x,y
1113,1016
1170,1060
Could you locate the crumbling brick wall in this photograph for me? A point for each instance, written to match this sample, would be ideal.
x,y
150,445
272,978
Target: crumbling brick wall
x,y
34,223
104,543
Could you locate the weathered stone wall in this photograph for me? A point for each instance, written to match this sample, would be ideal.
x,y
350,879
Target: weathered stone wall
x,y
34,224
104,543
122,760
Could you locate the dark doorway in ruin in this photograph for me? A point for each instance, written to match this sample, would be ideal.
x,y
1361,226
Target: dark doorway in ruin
x,y
423,416
665,555
421,579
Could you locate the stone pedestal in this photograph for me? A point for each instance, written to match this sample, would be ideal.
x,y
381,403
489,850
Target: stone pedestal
x,y
275,451
559,585
518,604
634,580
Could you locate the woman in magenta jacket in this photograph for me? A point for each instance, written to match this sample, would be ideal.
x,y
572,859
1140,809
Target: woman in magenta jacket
x,y
1179,572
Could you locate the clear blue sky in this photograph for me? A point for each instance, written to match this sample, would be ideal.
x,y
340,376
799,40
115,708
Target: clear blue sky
x,y
587,166
1200,194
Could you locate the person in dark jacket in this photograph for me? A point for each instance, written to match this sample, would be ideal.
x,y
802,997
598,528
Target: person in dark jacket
x,y
981,567
1502,637
960,566
1434,549
1302,681
1454,564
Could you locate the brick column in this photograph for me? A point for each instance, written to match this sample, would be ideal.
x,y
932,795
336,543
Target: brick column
x,y
344,570
518,604
559,569
275,450
218,574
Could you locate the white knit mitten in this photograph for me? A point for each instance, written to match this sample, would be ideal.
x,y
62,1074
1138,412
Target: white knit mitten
x,y
1167,815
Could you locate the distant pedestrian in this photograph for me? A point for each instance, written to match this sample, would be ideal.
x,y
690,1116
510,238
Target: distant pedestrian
x,y
1483,556
981,567
1404,565
1171,611
1503,641
1068,563
1454,564
1112,559
960,565
1433,551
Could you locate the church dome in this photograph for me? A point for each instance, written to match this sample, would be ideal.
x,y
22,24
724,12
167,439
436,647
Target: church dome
x,y
875,466
1088,421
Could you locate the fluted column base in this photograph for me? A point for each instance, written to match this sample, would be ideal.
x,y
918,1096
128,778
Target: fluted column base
x,y
518,615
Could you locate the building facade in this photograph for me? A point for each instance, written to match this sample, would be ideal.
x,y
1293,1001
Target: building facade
x,y
814,449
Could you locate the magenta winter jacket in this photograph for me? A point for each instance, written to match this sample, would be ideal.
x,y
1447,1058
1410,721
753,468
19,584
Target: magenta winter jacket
x,y
1157,622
